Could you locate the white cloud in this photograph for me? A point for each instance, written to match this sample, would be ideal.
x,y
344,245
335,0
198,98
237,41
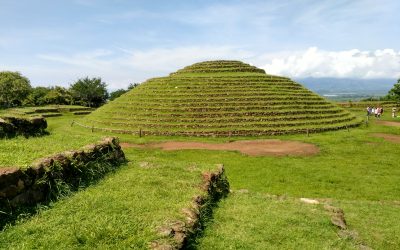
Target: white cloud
x,y
123,66
354,63
120,66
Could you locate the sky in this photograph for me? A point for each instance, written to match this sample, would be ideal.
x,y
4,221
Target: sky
x,y
121,41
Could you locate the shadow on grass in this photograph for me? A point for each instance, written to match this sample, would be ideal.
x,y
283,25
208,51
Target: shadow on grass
x,y
56,189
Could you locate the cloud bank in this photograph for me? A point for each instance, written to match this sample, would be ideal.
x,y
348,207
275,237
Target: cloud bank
x,y
354,63
118,67
121,66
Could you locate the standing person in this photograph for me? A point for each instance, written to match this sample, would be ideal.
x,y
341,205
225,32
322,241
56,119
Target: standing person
x,y
376,112
368,111
373,110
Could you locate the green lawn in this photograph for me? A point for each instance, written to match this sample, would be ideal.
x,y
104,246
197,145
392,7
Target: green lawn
x,y
257,221
354,171
21,151
124,210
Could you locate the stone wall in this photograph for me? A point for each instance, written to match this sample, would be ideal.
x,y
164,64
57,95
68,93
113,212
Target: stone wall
x,y
48,178
11,126
182,234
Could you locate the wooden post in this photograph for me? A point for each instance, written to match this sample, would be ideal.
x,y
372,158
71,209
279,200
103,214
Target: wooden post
x,y
308,133
140,132
92,128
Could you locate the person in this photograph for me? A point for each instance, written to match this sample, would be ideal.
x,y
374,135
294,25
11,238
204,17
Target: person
x,y
368,111
373,110
376,112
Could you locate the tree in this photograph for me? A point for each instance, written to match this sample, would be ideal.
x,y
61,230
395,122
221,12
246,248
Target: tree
x,y
133,85
58,95
89,92
14,88
394,93
114,95
37,96
117,93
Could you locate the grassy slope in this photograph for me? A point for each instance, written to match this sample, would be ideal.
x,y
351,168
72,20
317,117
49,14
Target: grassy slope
x,y
354,174
189,96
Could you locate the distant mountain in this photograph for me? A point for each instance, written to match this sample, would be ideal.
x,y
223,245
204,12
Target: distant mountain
x,y
328,86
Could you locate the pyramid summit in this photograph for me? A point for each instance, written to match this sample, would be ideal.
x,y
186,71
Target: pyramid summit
x,y
219,66
219,98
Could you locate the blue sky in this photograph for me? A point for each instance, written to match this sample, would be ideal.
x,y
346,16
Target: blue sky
x,y
56,42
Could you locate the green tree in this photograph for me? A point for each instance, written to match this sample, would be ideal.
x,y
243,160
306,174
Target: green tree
x,y
114,95
14,88
37,96
89,92
117,93
133,85
394,93
58,95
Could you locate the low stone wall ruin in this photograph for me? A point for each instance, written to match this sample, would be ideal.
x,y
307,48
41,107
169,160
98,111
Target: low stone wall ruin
x,y
180,235
50,177
11,126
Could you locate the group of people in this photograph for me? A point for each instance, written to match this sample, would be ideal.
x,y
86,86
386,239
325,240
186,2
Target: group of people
x,y
376,111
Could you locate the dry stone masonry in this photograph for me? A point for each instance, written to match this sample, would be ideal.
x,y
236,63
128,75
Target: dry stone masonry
x,y
178,235
27,126
46,178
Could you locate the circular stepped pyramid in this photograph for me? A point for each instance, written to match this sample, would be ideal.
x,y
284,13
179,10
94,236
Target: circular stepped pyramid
x,y
219,98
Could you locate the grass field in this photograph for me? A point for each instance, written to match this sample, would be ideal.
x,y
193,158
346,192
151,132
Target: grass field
x,y
259,221
124,210
21,151
354,171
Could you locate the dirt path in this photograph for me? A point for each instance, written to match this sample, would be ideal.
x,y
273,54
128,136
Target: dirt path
x,y
388,123
388,137
252,148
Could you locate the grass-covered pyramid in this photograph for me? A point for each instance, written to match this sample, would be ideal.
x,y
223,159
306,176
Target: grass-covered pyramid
x,y
220,98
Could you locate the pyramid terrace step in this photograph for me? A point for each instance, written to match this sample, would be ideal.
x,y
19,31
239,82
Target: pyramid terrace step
x,y
110,116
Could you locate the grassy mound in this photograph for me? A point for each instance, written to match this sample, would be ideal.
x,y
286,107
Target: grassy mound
x,y
46,111
219,98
